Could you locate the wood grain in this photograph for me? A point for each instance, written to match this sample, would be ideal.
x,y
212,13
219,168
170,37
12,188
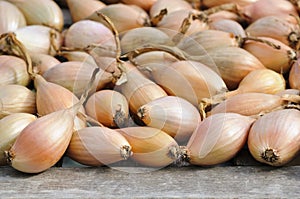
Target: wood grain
x,y
141,182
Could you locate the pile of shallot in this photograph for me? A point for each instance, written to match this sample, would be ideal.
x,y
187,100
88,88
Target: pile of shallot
x,y
153,82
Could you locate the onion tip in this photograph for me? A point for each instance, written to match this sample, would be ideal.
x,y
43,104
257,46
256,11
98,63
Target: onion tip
x,y
125,152
270,155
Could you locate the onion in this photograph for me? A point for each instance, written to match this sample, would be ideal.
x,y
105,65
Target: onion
x,y
44,12
223,14
153,59
252,104
75,76
232,63
11,18
46,40
276,59
108,107
97,146
172,22
13,70
137,89
80,10
86,32
276,28
189,80
261,8
10,128
43,62
150,146
16,99
139,37
52,92
228,25
173,115
218,138
79,56
257,81
131,16
206,40
274,138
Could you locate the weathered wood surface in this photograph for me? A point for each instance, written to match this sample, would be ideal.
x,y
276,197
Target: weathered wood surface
x,y
137,182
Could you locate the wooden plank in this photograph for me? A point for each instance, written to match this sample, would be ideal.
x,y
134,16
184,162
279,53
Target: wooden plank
x,y
141,182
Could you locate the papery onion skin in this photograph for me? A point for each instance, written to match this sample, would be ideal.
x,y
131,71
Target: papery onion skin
x,y
189,80
207,39
87,32
42,143
75,75
283,9
131,16
13,70
171,114
109,107
171,23
11,18
139,37
98,146
80,10
16,99
218,138
52,92
228,25
44,12
153,59
150,146
43,62
248,104
274,138
278,60
138,89
42,39
273,27
10,127
232,63
262,81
